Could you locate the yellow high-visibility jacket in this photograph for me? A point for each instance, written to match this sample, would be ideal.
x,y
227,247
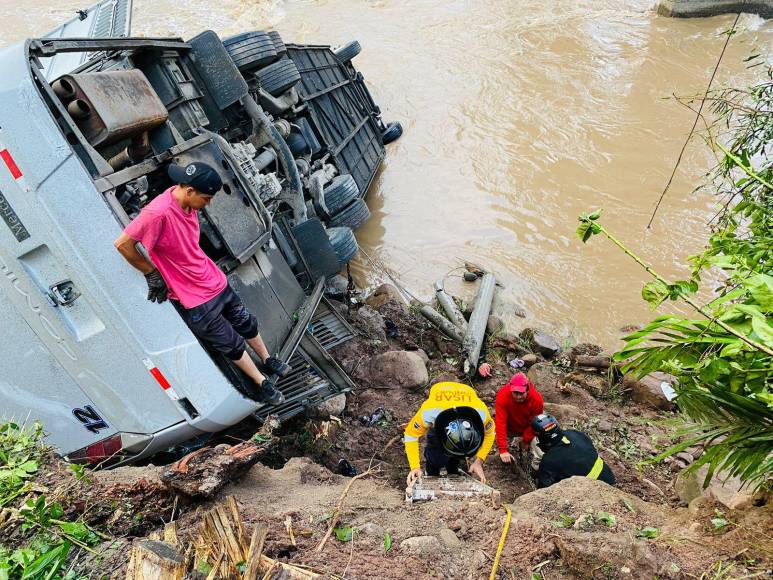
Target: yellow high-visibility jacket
x,y
444,396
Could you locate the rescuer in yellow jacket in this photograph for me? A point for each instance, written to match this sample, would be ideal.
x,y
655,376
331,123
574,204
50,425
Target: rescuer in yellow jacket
x,y
457,424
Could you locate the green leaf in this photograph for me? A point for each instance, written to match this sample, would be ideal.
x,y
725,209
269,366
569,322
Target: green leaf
x,y
655,293
649,533
564,521
48,562
387,542
719,523
344,533
763,330
609,519
588,226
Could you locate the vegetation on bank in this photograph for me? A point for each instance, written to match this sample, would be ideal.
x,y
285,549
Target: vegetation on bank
x,y
723,356
50,539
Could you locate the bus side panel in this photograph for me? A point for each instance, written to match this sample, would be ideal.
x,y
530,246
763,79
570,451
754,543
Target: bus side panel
x,y
35,387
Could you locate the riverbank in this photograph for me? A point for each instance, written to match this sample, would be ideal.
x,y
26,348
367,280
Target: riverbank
x,y
699,8
653,522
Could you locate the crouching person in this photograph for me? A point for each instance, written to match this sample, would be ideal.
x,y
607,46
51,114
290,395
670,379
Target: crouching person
x,y
517,403
566,453
457,425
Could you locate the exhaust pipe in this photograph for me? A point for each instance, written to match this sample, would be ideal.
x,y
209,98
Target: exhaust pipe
x,y
79,109
64,90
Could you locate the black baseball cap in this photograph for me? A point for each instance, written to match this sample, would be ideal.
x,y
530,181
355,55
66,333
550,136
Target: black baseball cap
x,y
200,176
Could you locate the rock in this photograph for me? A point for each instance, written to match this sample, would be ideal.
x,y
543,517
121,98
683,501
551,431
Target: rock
x,y
370,323
398,368
592,550
458,526
649,389
494,324
542,342
596,385
383,294
449,538
336,287
686,457
722,488
701,8
373,530
565,413
648,448
604,426
548,380
332,407
428,545
424,356
698,504
480,559
529,359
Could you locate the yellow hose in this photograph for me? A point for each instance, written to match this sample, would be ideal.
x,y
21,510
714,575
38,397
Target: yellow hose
x,y
501,546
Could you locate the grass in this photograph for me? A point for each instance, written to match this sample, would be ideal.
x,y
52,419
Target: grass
x,y
47,538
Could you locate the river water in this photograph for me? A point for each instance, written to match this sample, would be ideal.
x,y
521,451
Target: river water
x,y
518,116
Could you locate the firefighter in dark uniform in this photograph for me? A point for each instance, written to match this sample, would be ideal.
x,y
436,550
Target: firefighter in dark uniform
x,y
567,453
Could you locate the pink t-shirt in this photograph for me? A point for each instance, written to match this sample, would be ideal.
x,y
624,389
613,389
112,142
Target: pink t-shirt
x,y
171,236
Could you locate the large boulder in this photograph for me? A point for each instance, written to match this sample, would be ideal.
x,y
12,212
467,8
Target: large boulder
x,y
370,323
597,385
541,342
565,413
384,294
650,390
398,368
723,488
548,380
332,407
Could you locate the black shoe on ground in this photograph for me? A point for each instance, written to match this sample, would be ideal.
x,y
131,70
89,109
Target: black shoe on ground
x,y
268,393
274,366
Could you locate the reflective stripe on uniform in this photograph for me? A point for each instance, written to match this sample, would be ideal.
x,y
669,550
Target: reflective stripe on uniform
x,y
596,470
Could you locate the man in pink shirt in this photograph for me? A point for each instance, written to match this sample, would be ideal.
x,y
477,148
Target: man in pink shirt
x,y
168,228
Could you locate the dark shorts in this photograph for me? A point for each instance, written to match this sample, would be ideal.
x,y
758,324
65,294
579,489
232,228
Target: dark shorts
x,y
223,323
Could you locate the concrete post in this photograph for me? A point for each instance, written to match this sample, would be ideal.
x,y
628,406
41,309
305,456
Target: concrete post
x,y
693,8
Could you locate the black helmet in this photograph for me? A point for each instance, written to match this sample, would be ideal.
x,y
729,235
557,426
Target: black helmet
x,y
547,429
460,431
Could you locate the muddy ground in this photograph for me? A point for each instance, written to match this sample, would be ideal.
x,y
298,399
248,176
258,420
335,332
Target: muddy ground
x,y
576,529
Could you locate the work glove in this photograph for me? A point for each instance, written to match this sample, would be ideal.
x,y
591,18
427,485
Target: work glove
x,y
157,288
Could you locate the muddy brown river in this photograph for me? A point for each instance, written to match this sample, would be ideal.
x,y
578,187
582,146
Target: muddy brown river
x,y
518,116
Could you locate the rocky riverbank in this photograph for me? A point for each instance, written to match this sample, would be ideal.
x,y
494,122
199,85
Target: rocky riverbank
x,y
700,8
656,522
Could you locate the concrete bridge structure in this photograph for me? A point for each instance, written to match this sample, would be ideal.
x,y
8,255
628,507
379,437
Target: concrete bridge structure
x,y
691,8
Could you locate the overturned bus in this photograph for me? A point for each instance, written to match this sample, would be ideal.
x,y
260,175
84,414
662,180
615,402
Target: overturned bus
x,y
87,129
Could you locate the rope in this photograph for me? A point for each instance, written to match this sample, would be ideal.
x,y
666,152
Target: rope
x,y
380,266
695,124
501,546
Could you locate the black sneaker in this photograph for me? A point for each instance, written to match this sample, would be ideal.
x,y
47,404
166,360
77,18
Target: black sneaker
x,y
268,393
274,366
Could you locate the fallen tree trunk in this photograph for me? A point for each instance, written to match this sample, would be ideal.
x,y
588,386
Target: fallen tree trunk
x,y
203,473
596,362
476,329
445,325
449,307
